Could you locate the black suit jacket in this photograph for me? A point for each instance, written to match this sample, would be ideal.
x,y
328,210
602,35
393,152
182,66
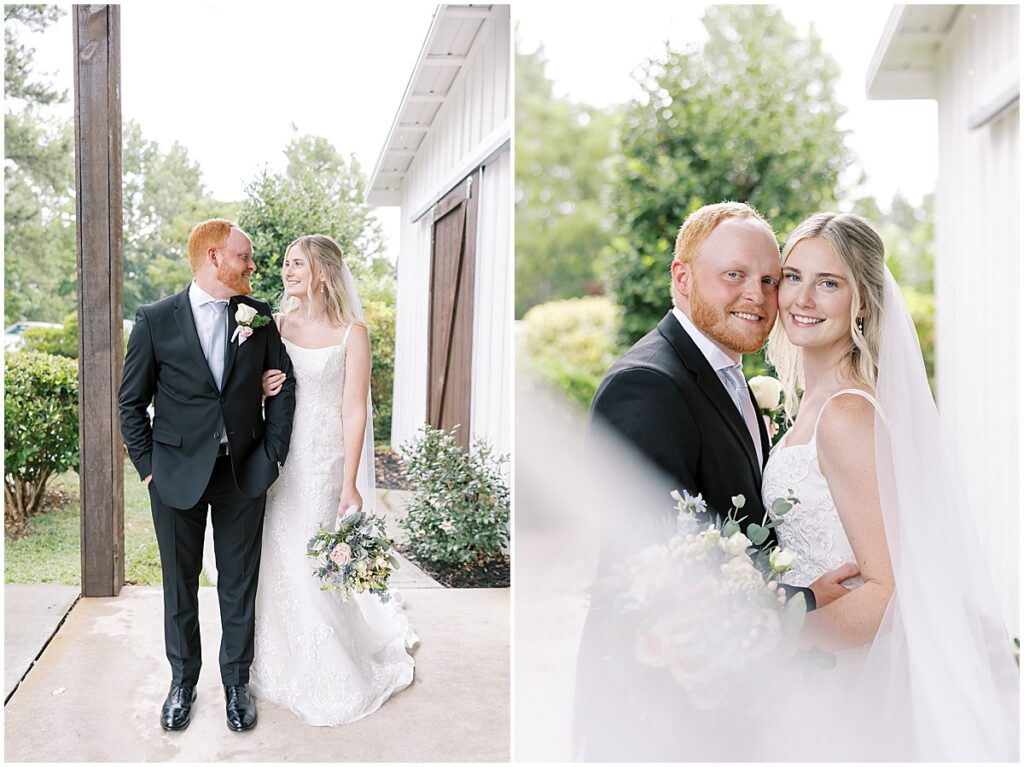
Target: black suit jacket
x,y
165,365
666,400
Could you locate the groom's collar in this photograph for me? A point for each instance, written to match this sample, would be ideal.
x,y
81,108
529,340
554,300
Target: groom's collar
x,y
717,358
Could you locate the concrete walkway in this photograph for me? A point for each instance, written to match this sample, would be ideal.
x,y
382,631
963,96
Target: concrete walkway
x,y
94,694
32,613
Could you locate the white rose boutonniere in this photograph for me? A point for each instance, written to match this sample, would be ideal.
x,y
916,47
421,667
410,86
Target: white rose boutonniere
x,y
768,393
248,320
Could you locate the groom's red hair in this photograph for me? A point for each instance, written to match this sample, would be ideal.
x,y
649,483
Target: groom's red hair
x,y
209,234
702,222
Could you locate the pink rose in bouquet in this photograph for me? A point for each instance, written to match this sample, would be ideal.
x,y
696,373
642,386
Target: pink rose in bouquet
x,y
341,554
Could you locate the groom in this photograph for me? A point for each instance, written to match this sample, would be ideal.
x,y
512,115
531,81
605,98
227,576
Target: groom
x,y
210,445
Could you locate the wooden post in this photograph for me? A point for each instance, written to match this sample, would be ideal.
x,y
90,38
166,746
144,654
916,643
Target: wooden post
x,y
97,40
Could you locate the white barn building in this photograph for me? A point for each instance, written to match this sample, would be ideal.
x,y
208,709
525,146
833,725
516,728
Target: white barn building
x,y
446,163
967,58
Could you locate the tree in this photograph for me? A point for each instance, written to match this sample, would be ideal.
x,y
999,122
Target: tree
x,y
320,192
563,152
163,197
908,232
750,116
39,180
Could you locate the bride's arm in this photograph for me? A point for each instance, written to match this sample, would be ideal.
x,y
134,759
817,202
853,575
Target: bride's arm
x,y
353,410
846,455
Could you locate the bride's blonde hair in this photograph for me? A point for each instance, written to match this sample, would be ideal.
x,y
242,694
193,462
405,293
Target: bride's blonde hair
x,y
862,254
325,260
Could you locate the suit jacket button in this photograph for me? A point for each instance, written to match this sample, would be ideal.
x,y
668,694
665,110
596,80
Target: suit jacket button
x,y
216,435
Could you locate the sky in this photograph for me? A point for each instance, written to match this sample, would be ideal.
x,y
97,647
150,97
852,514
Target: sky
x,y
591,57
228,81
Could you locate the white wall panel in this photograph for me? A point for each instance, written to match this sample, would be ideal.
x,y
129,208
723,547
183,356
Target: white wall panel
x,y
491,415
977,274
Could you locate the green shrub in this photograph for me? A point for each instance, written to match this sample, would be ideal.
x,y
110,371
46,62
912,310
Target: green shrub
x,y
460,510
380,318
922,308
41,429
63,343
571,344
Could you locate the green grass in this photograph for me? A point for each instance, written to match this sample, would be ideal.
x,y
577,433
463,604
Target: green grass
x,y
49,552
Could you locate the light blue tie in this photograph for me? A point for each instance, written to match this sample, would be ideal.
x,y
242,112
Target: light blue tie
x,y
215,353
740,398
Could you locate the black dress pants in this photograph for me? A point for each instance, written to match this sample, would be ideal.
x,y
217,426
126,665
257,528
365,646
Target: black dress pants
x,y
237,539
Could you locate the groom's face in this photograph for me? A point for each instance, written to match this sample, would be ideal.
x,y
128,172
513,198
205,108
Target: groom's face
x,y
236,263
733,285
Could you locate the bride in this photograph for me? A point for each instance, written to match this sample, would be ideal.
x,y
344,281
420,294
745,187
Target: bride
x,y
328,660
924,667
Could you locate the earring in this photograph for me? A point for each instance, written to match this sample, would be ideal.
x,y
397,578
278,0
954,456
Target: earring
x,y
860,324
323,287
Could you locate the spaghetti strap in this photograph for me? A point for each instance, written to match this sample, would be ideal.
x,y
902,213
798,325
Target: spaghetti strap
x,y
858,392
345,339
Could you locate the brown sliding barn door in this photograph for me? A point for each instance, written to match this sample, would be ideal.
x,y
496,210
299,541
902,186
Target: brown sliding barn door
x,y
453,253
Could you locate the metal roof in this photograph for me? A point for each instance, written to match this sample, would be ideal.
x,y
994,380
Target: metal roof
x,y
905,61
445,51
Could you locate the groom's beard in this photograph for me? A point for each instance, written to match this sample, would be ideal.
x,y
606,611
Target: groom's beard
x,y
717,324
239,283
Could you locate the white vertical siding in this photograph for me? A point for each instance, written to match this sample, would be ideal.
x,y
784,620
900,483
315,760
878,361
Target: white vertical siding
x,y
491,416
477,107
409,408
977,274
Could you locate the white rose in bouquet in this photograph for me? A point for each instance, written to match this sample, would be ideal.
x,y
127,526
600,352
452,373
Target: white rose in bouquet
x,y
781,559
735,544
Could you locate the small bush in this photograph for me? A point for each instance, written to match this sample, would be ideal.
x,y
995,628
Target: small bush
x,y
571,344
459,512
41,429
380,319
63,343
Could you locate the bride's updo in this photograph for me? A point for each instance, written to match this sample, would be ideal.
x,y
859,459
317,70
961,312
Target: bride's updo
x,y
862,254
325,260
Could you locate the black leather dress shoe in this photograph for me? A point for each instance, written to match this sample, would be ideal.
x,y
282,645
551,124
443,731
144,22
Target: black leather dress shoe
x,y
177,709
241,708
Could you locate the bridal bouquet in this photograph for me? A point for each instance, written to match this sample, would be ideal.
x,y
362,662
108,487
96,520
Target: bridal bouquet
x,y
705,605
355,558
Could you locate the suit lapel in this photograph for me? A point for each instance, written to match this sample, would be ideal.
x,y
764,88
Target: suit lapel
x,y
762,431
710,384
231,351
187,327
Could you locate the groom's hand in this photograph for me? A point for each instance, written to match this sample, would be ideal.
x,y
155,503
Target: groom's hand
x,y
147,480
829,587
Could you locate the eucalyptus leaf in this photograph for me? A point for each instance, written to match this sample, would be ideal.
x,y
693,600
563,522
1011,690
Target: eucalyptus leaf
x,y
757,534
730,529
781,506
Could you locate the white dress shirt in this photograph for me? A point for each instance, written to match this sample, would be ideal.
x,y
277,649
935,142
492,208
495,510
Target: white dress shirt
x,y
720,362
204,317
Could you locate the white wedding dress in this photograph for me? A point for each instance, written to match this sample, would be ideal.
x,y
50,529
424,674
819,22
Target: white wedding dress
x,y
812,529
327,660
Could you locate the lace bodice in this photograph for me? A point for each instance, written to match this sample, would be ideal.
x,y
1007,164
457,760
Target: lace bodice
x,y
328,660
812,529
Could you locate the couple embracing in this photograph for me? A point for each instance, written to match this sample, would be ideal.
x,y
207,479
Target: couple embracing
x,y
886,556
262,420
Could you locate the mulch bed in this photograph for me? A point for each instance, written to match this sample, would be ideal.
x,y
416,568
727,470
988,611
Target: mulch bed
x,y
389,471
493,574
